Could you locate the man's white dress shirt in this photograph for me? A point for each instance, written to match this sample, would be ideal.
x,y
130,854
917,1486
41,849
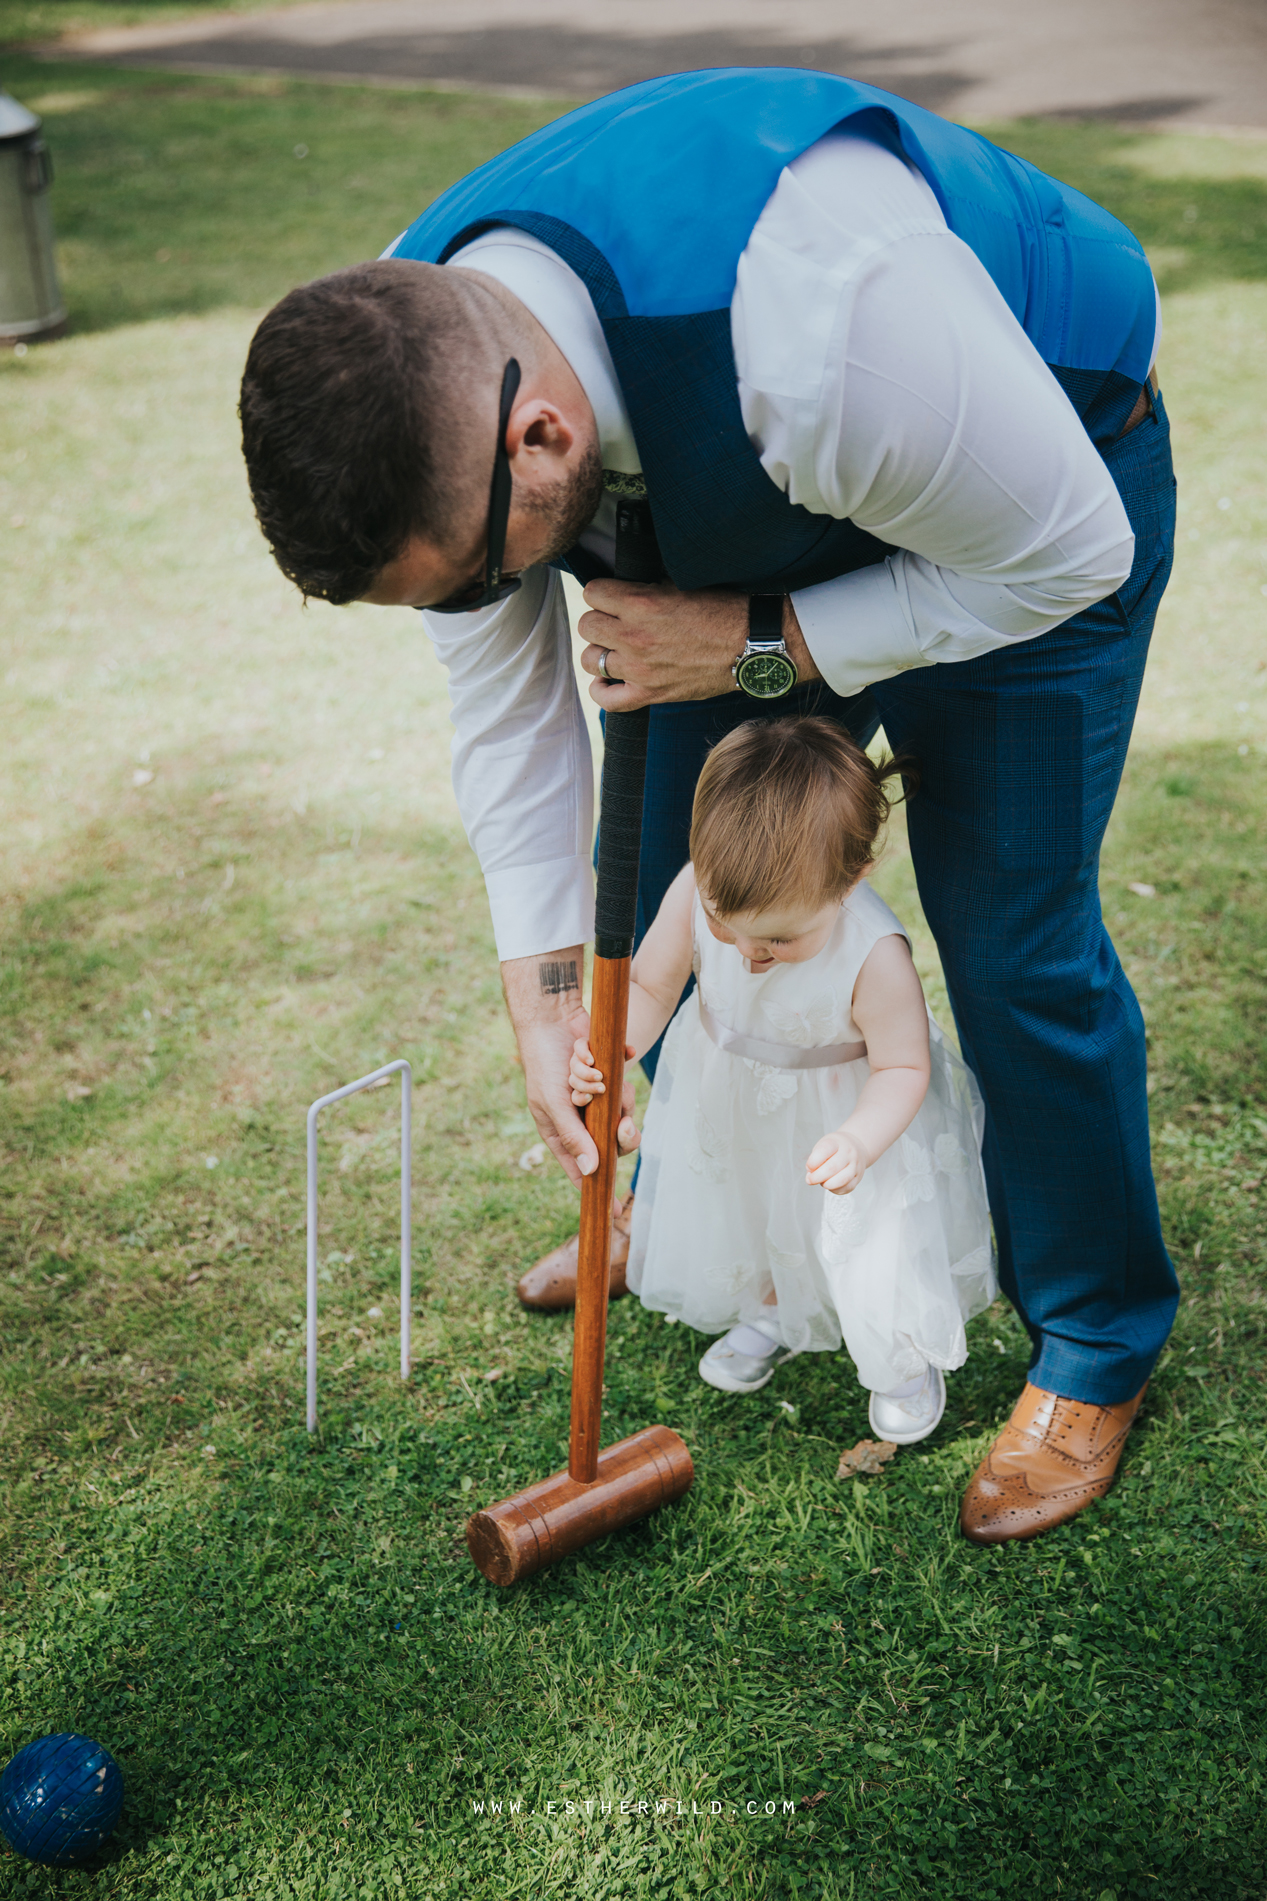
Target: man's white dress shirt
x,y
882,379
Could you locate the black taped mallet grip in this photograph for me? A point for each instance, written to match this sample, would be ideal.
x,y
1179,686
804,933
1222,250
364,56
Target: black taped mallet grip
x,y
624,761
620,831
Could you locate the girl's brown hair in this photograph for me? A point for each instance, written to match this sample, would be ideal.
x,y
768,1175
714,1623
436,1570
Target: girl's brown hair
x,y
787,811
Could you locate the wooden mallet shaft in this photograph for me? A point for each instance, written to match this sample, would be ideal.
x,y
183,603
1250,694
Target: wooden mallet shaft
x,y
601,1491
609,1011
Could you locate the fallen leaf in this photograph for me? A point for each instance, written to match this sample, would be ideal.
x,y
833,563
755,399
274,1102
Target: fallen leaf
x,y
869,1455
1143,890
533,1157
75,1092
494,1372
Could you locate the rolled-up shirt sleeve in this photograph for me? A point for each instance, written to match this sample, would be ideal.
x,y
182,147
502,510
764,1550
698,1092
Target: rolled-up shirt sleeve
x,y
522,767
914,405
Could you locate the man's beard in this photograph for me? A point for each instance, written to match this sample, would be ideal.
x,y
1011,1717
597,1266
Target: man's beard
x,y
569,507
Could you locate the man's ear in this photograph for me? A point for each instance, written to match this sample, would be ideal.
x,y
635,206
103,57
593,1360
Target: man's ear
x,y
539,428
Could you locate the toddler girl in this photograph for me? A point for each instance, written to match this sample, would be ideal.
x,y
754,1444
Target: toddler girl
x,y
811,1162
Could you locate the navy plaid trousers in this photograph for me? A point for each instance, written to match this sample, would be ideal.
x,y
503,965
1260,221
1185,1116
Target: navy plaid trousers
x,y
1020,753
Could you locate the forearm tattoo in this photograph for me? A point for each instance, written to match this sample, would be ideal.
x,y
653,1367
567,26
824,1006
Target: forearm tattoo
x,y
557,978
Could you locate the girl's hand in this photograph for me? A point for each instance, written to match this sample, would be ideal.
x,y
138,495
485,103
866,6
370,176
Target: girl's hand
x,y
837,1163
584,1080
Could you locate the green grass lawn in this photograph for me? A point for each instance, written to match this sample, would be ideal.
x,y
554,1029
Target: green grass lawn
x,y
232,877
42,22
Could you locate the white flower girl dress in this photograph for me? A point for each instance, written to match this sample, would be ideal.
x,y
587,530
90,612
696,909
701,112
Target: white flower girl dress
x,y
753,1071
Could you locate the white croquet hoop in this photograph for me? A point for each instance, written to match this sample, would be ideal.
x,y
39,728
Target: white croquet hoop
x,y
401,1068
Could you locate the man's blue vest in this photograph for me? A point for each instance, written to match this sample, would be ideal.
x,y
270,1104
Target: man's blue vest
x,y
651,195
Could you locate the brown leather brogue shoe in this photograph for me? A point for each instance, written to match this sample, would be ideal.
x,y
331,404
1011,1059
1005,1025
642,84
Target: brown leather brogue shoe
x,y
550,1284
1050,1460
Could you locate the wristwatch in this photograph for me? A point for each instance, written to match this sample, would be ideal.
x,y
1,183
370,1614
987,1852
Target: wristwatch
x,y
765,670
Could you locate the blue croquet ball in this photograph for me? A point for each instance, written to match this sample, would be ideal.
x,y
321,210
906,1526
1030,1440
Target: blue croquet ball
x,y
60,1798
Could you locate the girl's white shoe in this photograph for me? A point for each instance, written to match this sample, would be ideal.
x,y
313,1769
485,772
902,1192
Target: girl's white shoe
x,y
907,1416
743,1360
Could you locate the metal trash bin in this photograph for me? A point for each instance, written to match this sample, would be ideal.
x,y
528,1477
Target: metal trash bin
x,y
30,300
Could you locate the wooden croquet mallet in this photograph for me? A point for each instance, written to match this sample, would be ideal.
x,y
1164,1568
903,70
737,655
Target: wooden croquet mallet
x,y
601,1491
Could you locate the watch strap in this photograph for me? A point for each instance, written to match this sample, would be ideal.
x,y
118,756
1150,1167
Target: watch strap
x,y
765,618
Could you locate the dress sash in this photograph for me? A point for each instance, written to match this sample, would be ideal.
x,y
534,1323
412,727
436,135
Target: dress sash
x,y
777,1055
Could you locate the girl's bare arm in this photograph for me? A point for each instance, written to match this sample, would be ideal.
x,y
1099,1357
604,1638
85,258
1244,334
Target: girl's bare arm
x,y
656,981
889,1009
663,964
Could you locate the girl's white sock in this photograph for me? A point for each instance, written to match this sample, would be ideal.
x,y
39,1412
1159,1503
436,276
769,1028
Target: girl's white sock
x,y
909,1390
756,1340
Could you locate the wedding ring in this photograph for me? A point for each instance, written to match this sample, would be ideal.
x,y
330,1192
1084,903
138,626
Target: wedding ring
x,y
602,662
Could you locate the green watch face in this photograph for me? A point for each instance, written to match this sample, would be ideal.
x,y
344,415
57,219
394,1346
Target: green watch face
x,y
766,676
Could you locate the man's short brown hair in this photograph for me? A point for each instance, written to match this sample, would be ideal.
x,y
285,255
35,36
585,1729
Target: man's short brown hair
x,y
363,417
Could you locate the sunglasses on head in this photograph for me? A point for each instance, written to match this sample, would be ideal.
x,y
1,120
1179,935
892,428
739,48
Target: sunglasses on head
x,y
493,587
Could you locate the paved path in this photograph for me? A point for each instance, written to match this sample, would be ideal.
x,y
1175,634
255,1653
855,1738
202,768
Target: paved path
x,y
1200,62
